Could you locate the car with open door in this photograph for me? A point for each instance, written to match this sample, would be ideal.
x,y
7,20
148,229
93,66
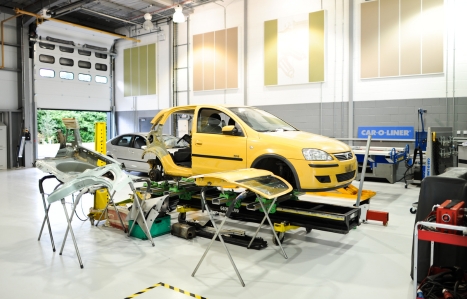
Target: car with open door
x,y
226,138
128,149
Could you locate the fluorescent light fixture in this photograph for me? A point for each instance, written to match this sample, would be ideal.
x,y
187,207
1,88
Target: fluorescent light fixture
x,y
148,25
178,16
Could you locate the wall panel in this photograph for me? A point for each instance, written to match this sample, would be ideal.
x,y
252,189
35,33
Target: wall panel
x,y
134,67
215,60
232,57
369,40
270,52
127,72
220,59
208,59
316,46
410,56
389,38
139,71
432,39
143,70
198,62
152,70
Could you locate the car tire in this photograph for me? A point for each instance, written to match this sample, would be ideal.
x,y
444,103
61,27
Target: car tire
x,y
156,174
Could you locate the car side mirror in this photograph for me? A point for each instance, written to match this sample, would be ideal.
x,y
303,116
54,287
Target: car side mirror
x,y
229,130
144,147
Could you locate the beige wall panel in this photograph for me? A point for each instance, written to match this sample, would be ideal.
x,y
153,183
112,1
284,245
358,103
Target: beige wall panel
x,y
198,62
389,38
220,59
232,57
432,36
143,70
135,71
270,52
316,46
369,40
208,61
152,69
411,34
127,72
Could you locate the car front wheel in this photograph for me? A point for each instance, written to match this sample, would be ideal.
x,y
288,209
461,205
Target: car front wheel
x,y
156,174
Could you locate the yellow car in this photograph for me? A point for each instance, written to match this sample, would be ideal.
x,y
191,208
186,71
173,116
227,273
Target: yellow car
x,y
227,138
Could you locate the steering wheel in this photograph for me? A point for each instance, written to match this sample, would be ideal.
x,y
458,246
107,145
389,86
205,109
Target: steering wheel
x,y
186,138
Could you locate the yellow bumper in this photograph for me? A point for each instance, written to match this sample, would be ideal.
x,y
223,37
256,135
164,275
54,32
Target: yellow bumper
x,y
324,175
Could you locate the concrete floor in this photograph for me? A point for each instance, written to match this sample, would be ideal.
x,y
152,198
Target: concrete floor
x,y
372,261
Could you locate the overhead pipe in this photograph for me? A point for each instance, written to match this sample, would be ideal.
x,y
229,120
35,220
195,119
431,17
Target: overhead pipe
x,y
2,37
20,12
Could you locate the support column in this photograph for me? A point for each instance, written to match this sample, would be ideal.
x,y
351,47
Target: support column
x,y
29,112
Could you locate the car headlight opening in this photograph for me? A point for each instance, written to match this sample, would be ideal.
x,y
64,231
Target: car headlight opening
x,y
312,154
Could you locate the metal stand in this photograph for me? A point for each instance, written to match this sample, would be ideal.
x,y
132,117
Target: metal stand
x,y
137,202
218,229
266,216
46,210
69,228
111,200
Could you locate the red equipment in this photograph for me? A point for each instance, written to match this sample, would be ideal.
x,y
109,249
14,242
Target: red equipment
x,y
450,212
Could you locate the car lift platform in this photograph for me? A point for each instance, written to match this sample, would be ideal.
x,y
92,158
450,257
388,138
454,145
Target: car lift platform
x,y
289,210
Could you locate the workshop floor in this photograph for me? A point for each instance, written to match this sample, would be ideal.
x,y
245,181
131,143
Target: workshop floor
x,y
372,261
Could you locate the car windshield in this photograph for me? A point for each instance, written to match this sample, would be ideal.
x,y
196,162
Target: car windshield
x,y
267,184
261,121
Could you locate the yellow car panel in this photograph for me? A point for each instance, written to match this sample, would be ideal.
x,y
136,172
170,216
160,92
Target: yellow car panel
x,y
259,181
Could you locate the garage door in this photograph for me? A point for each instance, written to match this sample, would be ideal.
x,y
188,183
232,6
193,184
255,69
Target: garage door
x,y
71,77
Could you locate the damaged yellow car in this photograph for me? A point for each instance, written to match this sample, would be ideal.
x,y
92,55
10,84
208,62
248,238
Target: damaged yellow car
x,y
225,138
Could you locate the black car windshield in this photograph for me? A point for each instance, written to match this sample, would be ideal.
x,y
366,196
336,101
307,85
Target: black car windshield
x,y
261,121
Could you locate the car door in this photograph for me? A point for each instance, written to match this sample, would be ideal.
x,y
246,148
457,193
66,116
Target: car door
x,y
135,162
121,149
212,151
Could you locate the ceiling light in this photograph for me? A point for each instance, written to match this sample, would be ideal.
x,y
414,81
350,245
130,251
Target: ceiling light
x,y
148,25
45,13
178,16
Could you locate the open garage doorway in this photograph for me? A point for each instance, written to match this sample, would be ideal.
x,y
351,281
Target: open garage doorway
x,y
49,122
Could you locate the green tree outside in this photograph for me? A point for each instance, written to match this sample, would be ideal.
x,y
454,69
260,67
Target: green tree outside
x,y
49,121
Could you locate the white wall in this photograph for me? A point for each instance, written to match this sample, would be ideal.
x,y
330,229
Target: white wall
x,y
210,17
163,84
8,79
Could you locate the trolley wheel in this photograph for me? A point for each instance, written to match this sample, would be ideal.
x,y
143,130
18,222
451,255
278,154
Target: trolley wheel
x,y
413,211
181,217
281,237
308,230
405,186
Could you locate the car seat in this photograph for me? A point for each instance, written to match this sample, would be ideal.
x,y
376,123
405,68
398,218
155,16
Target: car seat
x,y
213,124
139,143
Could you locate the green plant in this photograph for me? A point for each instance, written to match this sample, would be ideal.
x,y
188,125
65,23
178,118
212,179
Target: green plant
x,y
49,121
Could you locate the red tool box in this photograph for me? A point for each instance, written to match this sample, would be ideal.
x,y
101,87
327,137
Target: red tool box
x,y
450,212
